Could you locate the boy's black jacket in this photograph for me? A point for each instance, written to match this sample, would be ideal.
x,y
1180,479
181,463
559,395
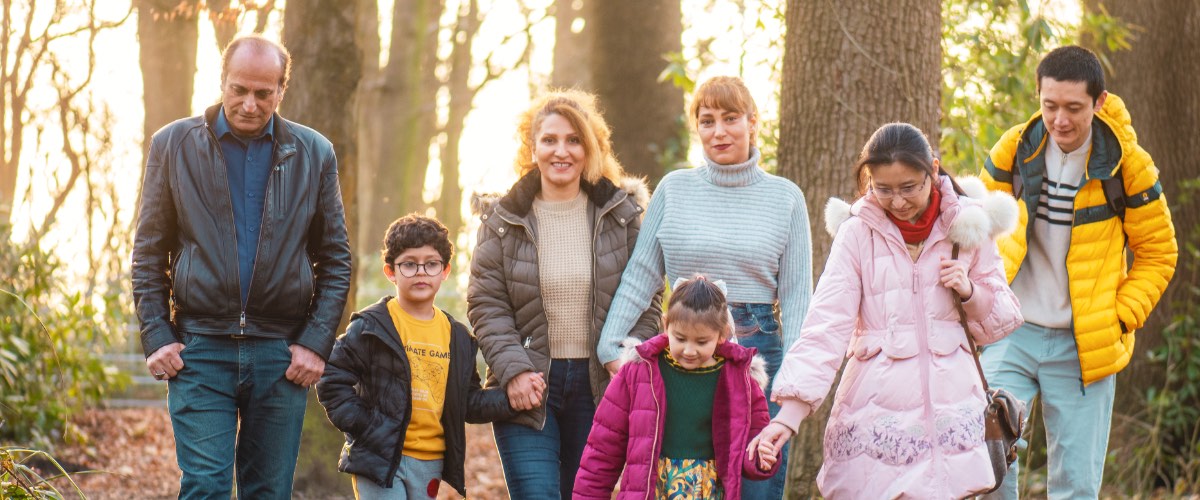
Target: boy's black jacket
x,y
366,392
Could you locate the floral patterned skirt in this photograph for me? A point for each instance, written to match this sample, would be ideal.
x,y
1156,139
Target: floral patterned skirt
x,y
688,478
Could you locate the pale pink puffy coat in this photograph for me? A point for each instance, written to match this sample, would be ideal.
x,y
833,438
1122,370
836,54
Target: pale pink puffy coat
x,y
907,418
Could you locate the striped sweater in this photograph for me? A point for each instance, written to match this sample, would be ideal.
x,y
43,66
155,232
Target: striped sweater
x,y
729,222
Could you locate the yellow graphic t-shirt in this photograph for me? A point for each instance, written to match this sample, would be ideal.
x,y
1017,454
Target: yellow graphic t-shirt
x,y
427,343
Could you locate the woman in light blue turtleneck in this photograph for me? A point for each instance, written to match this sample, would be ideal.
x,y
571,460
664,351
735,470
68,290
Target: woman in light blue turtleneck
x,y
727,219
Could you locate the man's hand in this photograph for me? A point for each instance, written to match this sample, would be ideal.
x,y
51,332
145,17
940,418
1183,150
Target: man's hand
x,y
165,363
306,368
525,391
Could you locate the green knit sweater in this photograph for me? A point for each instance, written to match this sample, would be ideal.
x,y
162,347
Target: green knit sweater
x,y
688,432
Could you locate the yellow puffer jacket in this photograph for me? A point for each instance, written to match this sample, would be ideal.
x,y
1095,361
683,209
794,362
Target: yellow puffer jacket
x,y
1109,299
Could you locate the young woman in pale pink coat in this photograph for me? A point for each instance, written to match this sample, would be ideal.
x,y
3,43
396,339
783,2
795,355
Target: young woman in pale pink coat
x,y
907,418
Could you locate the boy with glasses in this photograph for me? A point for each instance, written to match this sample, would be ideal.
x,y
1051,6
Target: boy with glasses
x,y
402,380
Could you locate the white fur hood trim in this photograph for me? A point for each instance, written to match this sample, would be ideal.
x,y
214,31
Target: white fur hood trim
x,y
987,216
758,365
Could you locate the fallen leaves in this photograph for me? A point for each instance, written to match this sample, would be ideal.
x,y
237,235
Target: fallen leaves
x,y
130,453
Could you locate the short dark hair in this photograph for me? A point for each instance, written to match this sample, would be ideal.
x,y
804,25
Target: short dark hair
x,y
415,231
1073,63
257,43
700,301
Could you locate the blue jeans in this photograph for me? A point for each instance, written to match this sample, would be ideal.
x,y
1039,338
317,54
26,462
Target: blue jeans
x,y
224,381
541,464
1037,360
757,326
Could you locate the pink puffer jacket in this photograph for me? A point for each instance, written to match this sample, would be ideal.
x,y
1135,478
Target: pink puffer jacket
x,y
907,418
628,428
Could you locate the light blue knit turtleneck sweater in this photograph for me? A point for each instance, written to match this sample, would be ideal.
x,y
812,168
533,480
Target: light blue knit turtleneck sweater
x,y
727,222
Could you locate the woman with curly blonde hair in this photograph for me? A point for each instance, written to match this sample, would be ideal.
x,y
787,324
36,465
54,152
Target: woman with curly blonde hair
x,y
537,302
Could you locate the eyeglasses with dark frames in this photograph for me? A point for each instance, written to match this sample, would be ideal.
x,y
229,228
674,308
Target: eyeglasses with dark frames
x,y
409,269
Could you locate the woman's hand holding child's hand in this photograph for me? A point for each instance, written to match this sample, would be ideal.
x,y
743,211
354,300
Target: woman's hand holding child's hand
x,y
768,443
525,391
954,276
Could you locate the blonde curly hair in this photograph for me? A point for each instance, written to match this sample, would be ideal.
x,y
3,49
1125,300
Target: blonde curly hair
x,y
580,110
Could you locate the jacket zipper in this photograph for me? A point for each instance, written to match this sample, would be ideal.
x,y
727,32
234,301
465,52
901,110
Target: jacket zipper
x,y
525,344
593,336
1086,179
925,358
658,421
225,165
276,173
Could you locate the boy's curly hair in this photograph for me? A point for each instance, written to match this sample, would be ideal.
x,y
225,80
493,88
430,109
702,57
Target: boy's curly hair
x,y
415,231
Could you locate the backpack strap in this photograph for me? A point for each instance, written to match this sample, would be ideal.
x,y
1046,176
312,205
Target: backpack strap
x,y
1018,184
1114,193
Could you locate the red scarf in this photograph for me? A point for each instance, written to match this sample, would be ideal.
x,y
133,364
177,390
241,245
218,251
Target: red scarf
x,y
916,232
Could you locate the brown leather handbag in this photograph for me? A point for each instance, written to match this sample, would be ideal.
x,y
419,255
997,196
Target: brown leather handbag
x,y
1004,416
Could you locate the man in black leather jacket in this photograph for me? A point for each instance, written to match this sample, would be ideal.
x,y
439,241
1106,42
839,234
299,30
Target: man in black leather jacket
x,y
241,268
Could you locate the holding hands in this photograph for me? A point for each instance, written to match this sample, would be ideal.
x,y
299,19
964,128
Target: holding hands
x,y
525,391
954,276
768,443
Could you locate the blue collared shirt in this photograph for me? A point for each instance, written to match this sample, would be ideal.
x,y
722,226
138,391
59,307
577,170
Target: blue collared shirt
x,y
248,168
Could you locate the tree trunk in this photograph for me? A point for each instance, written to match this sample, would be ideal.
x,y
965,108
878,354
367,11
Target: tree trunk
x,y
449,206
365,246
1153,79
572,49
224,22
167,37
326,67
405,117
631,38
848,67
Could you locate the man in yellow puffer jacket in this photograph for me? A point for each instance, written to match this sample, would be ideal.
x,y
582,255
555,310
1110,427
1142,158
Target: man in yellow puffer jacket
x,y
1067,262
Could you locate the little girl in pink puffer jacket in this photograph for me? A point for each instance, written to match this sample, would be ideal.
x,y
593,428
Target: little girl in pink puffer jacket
x,y
679,414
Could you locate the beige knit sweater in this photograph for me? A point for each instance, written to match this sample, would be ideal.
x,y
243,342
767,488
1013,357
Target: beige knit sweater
x,y
564,247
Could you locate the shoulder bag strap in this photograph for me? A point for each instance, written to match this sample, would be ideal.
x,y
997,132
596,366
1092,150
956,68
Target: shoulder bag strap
x,y
962,319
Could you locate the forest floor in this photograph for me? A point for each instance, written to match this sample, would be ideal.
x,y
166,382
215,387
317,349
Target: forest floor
x,y
131,455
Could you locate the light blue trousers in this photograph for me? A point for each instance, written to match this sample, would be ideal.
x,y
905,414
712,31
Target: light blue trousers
x,y
1037,360
415,479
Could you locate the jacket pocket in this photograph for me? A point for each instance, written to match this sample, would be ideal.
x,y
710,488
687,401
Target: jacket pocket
x,y
277,191
866,345
946,337
180,276
306,284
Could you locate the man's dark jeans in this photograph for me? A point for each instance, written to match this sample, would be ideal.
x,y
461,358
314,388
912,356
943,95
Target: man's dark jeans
x,y
225,380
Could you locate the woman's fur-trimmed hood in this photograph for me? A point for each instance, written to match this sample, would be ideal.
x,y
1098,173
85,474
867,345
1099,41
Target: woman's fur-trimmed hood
x,y
633,350
986,216
519,198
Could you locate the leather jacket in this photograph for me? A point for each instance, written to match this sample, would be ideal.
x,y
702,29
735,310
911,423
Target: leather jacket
x,y
185,263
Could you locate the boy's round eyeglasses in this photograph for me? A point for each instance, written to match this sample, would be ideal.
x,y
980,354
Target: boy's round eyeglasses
x,y
408,268
906,192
